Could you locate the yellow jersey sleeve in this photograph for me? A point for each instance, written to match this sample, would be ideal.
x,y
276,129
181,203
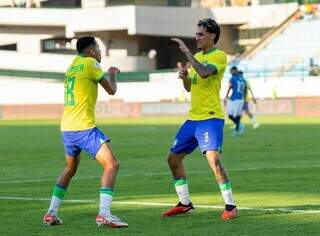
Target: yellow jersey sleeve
x,y
218,61
94,70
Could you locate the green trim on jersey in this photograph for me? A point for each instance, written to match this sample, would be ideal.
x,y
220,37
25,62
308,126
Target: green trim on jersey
x,y
209,51
102,76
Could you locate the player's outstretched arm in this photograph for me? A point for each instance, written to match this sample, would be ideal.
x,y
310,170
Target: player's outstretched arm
x,y
227,95
109,83
203,70
252,96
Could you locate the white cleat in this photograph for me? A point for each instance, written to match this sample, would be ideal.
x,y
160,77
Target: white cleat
x,y
255,125
110,221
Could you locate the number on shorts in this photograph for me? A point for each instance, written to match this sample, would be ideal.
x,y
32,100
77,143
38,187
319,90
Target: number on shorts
x,y
206,137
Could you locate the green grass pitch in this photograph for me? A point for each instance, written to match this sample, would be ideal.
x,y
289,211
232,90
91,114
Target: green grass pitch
x,y
275,173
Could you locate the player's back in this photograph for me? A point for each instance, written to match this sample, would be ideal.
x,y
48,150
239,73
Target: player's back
x,y
238,87
80,94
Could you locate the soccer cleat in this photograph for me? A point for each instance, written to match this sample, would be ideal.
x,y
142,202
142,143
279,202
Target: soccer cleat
x,y
51,220
255,125
110,221
235,133
241,128
228,215
179,209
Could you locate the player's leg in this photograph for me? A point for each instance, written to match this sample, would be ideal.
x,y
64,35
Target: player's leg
x,y
231,107
237,113
110,166
110,169
175,162
99,148
184,205
184,143
209,134
222,178
252,118
72,163
234,111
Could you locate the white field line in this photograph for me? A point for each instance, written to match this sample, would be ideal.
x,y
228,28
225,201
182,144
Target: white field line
x,y
288,210
157,174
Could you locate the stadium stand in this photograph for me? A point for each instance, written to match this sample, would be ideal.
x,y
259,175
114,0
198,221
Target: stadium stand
x,y
289,53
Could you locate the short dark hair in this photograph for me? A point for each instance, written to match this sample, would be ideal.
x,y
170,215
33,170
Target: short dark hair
x,y
84,42
240,72
211,26
234,68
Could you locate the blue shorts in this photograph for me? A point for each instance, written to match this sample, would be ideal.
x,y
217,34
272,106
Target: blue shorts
x,y
89,140
207,134
245,106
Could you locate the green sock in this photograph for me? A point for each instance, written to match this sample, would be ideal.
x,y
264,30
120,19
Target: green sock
x,y
181,186
57,197
59,192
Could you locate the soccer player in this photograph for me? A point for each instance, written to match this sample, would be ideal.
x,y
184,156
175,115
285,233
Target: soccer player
x,y
236,102
246,109
79,131
204,128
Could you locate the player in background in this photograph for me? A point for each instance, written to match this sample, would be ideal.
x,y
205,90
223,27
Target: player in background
x,y
204,128
79,132
246,109
236,101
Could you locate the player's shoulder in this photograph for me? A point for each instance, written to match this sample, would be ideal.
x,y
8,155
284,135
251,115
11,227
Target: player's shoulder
x,y
221,54
217,55
91,63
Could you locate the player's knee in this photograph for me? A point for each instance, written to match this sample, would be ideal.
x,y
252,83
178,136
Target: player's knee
x,y
113,165
213,156
116,165
173,161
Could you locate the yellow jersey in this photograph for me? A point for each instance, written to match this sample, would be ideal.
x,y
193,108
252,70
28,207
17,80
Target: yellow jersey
x,y
80,94
205,92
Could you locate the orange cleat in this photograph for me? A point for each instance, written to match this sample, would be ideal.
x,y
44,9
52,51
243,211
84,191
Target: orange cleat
x,y
228,215
179,209
51,220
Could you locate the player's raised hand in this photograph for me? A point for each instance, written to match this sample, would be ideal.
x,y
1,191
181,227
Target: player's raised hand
x,y
183,70
182,45
113,70
254,100
183,74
